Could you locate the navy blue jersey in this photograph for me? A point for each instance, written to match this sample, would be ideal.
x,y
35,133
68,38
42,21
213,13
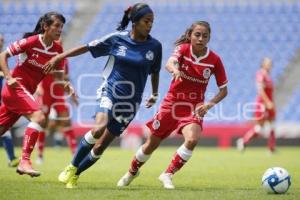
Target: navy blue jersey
x,y
129,64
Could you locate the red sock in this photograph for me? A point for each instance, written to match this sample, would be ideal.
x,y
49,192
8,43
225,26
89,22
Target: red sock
x,y
41,143
249,136
71,139
135,166
29,140
272,141
176,164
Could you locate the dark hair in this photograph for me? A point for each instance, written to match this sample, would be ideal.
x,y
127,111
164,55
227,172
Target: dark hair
x,y
186,37
132,14
45,19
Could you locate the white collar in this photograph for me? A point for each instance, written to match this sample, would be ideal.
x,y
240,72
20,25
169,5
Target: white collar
x,y
43,44
197,59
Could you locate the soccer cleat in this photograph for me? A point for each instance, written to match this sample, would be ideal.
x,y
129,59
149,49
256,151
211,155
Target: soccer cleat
x,y
72,183
68,172
25,167
14,162
39,161
127,179
240,144
166,179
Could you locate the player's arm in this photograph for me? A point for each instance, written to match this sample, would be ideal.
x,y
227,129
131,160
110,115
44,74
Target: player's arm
x,y
154,96
70,53
172,66
261,92
202,109
1,74
5,70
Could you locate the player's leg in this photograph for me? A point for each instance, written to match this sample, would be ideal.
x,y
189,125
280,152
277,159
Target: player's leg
x,y
65,123
84,147
8,145
36,125
191,134
272,136
102,143
140,158
255,131
41,142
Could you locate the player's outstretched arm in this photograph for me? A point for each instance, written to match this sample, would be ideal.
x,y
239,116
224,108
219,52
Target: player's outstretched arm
x,y
57,59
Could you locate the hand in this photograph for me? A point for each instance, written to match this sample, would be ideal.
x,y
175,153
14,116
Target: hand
x,y
176,75
74,98
269,105
151,101
51,64
202,109
13,82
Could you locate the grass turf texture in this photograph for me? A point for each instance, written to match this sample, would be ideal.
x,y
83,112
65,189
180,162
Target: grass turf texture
x,y
210,174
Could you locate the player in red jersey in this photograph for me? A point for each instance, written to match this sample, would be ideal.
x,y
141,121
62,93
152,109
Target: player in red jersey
x,y
54,98
34,50
183,108
265,108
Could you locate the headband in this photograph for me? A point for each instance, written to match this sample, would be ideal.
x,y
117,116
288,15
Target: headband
x,y
140,13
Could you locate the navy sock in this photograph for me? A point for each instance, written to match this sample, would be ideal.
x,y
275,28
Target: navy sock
x,y
83,149
9,147
87,162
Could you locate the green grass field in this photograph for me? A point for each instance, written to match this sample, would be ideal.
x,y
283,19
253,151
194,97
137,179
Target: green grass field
x,y
210,174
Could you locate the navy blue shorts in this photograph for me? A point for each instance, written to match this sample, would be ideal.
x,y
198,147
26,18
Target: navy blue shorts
x,y
120,113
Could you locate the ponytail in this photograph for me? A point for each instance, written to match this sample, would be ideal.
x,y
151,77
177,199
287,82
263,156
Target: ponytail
x,y
46,19
133,14
125,20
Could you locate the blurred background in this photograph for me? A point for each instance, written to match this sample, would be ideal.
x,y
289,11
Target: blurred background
x,y
243,32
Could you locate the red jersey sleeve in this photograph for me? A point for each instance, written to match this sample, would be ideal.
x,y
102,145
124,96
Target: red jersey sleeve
x,y
220,74
260,79
20,46
61,65
179,52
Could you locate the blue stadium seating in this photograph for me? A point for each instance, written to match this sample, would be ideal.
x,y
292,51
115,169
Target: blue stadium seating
x,y
242,34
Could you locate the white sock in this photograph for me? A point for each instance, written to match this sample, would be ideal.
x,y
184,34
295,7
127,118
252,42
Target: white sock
x,y
140,156
184,153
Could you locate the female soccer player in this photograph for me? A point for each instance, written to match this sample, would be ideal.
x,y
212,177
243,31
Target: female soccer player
x,y
132,56
55,99
183,108
34,50
265,108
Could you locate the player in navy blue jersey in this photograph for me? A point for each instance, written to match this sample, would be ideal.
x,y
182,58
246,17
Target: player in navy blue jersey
x,y
133,55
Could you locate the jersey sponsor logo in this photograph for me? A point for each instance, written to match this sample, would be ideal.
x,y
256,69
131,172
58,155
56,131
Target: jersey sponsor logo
x,y
35,63
150,55
193,79
156,124
122,51
206,73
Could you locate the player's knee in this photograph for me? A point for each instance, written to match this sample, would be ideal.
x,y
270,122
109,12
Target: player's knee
x,y
191,142
98,130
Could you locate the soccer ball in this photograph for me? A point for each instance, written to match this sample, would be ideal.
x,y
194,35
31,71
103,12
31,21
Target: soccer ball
x,y
276,180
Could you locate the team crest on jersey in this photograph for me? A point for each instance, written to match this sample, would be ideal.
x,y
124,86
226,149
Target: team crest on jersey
x,y
122,51
156,124
206,73
150,55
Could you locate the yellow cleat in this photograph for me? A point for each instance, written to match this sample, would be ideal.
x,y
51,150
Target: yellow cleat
x,y
14,162
67,174
72,183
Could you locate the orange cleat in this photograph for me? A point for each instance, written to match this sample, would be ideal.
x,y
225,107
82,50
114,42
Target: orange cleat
x,y
25,167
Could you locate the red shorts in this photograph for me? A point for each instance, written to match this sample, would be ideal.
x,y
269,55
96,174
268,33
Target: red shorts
x,y
59,104
262,113
172,117
15,103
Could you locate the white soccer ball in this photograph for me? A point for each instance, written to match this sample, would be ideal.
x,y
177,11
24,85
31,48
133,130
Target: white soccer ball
x,y
276,180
